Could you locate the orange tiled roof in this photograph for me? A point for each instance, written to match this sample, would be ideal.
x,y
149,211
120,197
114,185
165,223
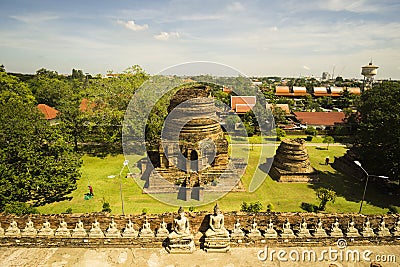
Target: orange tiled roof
x,y
86,105
243,108
48,112
284,107
320,118
247,100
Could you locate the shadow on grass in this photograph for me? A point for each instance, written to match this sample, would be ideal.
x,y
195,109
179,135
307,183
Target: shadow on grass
x,y
352,189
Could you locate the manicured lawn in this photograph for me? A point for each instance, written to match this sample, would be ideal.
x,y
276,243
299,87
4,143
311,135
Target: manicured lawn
x,y
283,196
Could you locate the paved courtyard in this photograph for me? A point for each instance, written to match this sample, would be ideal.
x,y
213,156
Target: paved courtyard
x,y
154,257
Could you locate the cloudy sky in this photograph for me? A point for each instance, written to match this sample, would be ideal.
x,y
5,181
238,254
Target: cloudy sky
x,y
285,38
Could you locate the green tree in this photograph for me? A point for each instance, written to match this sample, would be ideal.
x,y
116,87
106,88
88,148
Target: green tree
x,y
280,133
377,140
311,131
325,195
37,164
328,140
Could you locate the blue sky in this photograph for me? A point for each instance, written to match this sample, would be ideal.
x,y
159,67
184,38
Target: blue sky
x,y
286,38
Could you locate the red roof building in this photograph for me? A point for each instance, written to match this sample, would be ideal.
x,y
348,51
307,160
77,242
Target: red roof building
x,y
48,112
320,119
242,104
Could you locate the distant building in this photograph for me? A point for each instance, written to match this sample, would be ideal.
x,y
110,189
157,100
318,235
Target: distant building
x,y
50,114
295,91
368,71
325,76
320,120
242,104
284,107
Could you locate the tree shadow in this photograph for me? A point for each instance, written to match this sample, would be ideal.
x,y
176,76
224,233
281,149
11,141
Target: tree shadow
x,y
352,189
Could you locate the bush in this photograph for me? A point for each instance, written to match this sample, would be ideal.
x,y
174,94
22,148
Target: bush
x,y
311,131
144,211
251,207
69,210
106,207
191,208
270,207
19,208
280,133
309,138
309,207
393,210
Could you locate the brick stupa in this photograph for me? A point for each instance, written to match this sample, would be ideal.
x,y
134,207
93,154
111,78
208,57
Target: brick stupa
x,y
292,164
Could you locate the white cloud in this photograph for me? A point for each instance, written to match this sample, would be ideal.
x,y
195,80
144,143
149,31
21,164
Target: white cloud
x,y
34,18
306,67
131,25
273,29
236,6
164,36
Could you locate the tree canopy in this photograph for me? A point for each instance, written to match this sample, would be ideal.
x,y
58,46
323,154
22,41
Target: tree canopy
x,y
37,164
378,136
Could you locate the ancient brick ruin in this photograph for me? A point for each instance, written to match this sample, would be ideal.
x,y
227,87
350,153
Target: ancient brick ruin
x,y
292,164
193,152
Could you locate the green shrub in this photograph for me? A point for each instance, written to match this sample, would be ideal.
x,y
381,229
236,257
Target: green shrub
x,y
69,210
309,138
191,208
309,207
251,207
106,207
311,131
270,207
144,211
280,133
393,210
19,208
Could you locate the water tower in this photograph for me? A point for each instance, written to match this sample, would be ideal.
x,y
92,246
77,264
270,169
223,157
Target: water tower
x,y
368,71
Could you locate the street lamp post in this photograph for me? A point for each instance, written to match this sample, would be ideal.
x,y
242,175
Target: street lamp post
x,y
126,162
366,182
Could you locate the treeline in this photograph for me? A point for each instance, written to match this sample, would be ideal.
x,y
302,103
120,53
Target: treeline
x,y
40,161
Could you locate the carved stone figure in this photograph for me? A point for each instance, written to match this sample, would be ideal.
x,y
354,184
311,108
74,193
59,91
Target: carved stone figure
x,y
335,229
95,231
382,229
237,232
217,237
367,231
29,230
62,230
216,225
270,232
351,231
146,230
13,230
319,231
303,230
112,230
254,232
46,230
79,231
129,231
287,232
162,230
180,240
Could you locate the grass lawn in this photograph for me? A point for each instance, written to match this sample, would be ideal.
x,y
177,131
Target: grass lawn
x,y
283,196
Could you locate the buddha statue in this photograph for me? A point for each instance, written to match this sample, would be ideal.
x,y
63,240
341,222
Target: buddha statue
x,y
180,240
216,225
